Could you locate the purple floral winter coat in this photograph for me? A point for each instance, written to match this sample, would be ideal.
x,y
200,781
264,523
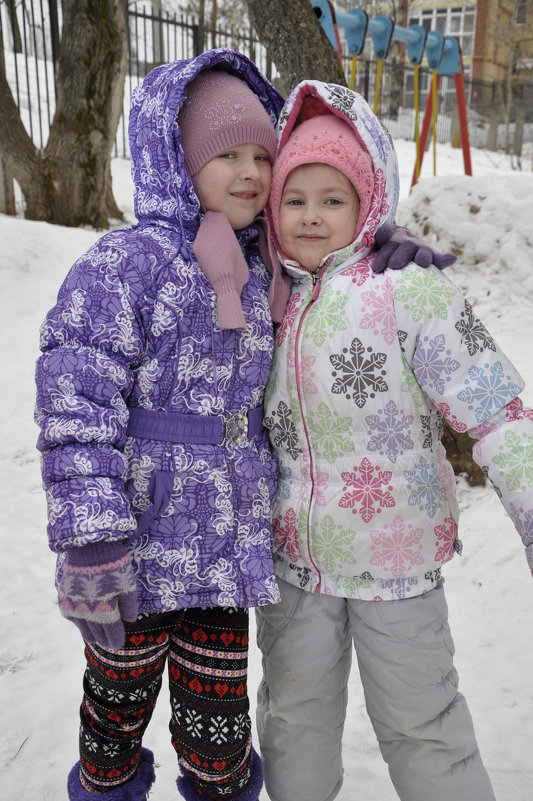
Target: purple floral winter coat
x,y
134,332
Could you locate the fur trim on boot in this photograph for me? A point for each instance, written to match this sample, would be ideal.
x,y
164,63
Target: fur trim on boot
x,y
134,790
250,793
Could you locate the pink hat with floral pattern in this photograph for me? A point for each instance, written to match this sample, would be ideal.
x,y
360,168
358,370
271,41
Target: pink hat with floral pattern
x,y
323,139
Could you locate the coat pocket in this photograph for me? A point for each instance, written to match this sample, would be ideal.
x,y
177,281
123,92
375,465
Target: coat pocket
x,y
150,479
160,491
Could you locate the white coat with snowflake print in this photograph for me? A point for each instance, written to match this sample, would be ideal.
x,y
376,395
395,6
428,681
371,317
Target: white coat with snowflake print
x,y
365,368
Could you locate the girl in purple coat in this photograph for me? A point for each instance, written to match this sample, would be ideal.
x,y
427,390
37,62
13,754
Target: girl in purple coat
x,y
158,473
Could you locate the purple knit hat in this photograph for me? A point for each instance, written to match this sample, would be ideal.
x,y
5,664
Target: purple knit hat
x,y
323,139
221,111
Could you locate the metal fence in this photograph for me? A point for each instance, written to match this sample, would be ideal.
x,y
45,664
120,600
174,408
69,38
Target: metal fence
x,y
30,35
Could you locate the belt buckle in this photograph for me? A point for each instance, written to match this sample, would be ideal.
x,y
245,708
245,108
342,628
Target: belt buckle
x,y
236,428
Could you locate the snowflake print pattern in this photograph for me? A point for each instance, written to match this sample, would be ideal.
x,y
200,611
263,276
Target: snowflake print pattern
x,y
241,727
379,207
330,432
515,460
286,535
378,311
333,546
306,375
427,436
515,411
524,523
303,575
323,320
398,544
358,373
473,333
402,336
283,431
400,588
424,294
366,488
391,427
288,318
193,723
432,364
360,272
487,390
450,418
219,730
446,542
427,491
410,384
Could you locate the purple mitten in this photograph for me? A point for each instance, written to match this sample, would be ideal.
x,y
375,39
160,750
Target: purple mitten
x,y
397,247
98,592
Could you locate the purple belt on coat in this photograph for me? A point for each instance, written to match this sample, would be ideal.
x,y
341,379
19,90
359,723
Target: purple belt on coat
x,y
195,429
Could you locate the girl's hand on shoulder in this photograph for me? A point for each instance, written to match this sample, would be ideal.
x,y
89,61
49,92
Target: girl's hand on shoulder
x,y
397,247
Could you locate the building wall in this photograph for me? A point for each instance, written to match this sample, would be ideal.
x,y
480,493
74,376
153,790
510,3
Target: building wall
x,y
494,34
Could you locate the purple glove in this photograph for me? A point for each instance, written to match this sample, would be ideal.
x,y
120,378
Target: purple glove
x,y
98,592
397,247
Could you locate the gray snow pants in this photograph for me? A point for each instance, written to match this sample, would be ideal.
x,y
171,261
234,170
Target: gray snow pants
x,y
405,655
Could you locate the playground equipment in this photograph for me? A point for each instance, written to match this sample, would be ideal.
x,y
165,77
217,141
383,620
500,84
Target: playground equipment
x,y
442,53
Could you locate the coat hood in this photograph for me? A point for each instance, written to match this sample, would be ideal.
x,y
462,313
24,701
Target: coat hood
x,y
163,190
315,98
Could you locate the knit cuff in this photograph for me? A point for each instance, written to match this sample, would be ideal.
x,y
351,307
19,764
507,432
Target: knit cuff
x,y
98,553
229,309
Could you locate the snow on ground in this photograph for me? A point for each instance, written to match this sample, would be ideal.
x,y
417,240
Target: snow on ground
x,y
490,594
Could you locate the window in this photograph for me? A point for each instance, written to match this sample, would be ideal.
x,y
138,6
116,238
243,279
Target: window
x,y
458,21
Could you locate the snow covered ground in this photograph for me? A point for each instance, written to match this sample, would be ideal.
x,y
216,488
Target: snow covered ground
x,y
490,593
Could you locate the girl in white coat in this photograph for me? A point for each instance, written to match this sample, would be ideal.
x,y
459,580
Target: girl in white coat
x,y
365,515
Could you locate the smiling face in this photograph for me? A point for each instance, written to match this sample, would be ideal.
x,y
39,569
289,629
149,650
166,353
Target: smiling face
x,y
237,183
318,214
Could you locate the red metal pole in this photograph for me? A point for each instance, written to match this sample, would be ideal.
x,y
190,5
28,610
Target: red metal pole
x,y
463,122
424,134
337,37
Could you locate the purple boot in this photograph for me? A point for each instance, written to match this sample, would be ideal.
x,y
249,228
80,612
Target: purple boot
x,y
134,790
250,793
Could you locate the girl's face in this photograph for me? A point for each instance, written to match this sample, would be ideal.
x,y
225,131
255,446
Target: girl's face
x,y
237,183
318,214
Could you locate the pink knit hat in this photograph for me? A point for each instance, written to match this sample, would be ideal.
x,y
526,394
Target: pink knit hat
x,y
221,111
324,139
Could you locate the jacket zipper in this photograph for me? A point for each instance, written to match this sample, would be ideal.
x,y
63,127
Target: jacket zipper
x,y
317,285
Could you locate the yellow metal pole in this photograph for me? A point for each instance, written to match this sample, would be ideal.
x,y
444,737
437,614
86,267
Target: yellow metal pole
x,y
352,76
378,83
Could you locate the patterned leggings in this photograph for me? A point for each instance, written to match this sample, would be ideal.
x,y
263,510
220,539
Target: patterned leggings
x,y
207,653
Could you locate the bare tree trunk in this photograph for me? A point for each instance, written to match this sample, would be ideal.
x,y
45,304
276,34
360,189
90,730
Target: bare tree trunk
x,y
21,159
295,41
201,21
213,23
396,81
520,119
70,182
157,33
7,194
509,79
